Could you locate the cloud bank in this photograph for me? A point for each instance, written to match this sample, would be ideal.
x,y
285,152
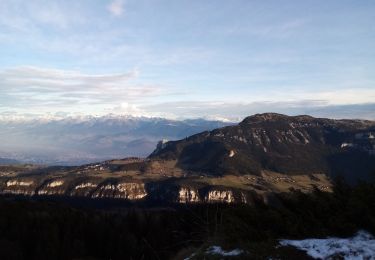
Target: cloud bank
x,y
42,91
34,89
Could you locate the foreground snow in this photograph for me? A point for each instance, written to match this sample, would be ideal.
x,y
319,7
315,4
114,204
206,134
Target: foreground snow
x,y
217,250
361,246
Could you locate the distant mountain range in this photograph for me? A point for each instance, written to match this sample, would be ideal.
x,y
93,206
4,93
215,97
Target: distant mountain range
x,y
74,141
8,161
264,154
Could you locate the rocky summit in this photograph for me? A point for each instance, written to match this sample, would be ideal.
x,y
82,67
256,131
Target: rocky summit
x,y
263,155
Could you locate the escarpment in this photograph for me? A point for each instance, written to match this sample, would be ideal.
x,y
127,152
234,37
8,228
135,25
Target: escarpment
x,y
132,191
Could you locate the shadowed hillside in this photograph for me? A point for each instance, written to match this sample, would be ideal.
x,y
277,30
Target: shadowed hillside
x,y
284,144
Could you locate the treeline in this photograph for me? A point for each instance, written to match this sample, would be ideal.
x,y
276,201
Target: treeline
x,y
55,230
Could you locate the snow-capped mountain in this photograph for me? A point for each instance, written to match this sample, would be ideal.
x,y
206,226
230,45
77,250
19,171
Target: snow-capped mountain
x,y
76,140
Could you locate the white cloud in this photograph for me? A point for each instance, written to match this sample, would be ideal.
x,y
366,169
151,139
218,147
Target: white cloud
x,y
344,96
36,89
236,111
44,90
126,108
116,7
21,16
282,29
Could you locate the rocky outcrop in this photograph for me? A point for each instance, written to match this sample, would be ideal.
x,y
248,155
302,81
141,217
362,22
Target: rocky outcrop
x,y
211,195
19,187
125,190
188,195
216,196
52,187
18,191
83,189
60,187
19,183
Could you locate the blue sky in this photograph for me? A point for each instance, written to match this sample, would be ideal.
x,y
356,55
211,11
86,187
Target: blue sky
x,y
179,59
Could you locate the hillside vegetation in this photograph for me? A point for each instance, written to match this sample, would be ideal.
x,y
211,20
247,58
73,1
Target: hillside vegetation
x,y
34,229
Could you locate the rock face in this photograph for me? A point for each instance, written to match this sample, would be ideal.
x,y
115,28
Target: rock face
x,y
121,190
284,144
19,183
52,187
19,187
83,189
220,196
188,195
212,195
130,191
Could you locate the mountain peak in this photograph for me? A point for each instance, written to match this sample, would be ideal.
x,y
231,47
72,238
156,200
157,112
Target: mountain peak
x,y
274,117
265,116
280,143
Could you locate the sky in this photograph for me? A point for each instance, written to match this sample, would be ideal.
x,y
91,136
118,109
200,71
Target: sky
x,y
222,59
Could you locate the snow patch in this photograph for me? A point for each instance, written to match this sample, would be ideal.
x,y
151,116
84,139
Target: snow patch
x,y
217,250
361,246
343,145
